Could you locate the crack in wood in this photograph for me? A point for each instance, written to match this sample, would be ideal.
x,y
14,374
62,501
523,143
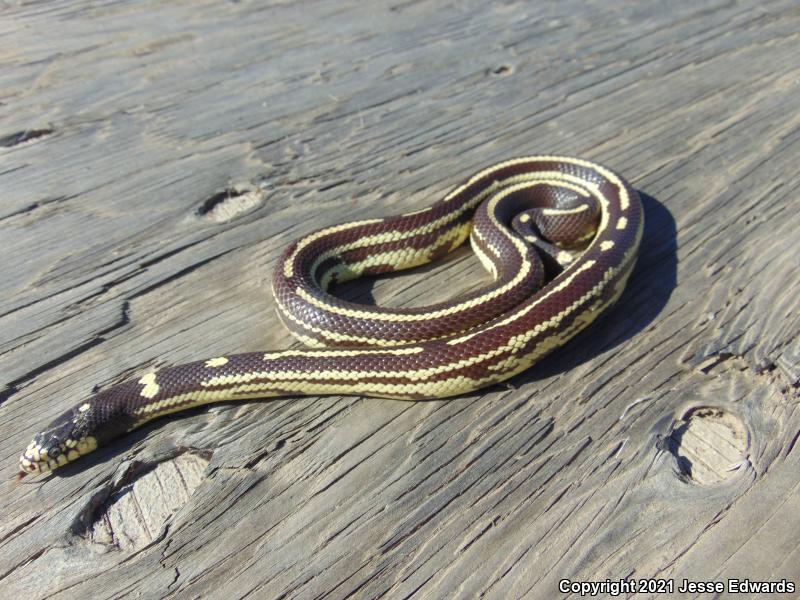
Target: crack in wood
x,y
20,137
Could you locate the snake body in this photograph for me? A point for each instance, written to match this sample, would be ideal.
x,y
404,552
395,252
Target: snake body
x,y
529,217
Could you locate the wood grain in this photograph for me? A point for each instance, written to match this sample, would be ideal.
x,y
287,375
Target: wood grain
x,y
156,157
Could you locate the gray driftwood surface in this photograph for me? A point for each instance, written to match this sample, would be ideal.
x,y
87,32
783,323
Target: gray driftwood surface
x,y
155,157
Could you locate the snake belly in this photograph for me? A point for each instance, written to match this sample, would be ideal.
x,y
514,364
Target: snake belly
x,y
527,217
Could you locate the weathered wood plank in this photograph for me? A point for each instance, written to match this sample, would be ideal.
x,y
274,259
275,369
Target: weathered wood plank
x,y
155,159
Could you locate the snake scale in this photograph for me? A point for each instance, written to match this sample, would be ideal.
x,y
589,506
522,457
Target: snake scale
x,y
559,236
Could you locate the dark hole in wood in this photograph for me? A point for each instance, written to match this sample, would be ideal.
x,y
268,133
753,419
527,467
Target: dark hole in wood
x,y
23,136
673,444
211,203
230,203
502,70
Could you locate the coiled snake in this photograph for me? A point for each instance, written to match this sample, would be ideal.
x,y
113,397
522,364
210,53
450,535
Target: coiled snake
x,y
526,217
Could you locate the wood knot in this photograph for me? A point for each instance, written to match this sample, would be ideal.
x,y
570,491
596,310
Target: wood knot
x,y
136,512
230,203
710,444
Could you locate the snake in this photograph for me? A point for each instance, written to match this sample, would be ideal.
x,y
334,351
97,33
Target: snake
x,y
558,235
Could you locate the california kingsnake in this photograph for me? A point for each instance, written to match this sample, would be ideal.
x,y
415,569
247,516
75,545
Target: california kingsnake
x,y
527,217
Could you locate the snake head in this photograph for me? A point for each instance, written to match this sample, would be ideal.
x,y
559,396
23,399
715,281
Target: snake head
x,y
66,439
80,430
